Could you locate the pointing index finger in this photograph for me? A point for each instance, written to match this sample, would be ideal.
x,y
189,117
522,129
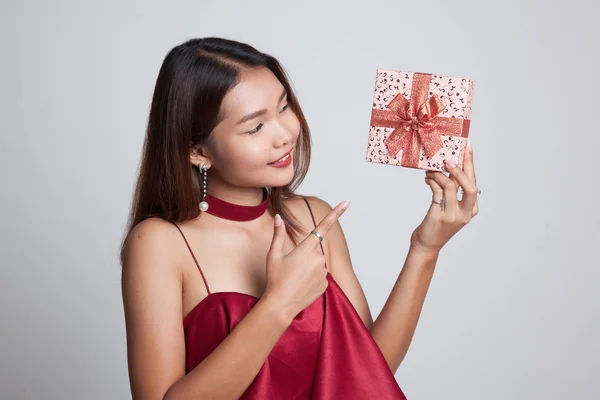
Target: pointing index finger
x,y
326,223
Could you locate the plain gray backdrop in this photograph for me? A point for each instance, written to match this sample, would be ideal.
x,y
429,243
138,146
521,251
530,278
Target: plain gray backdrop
x,y
513,308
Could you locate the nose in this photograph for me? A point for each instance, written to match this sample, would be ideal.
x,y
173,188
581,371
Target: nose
x,y
283,136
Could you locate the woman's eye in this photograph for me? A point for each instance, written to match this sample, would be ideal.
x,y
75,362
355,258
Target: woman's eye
x,y
261,125
255,129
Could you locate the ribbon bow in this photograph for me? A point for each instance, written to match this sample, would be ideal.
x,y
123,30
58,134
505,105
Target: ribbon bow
x,y
417,123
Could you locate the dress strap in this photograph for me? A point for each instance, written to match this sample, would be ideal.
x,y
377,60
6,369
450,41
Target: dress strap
x,y
193,256
314,222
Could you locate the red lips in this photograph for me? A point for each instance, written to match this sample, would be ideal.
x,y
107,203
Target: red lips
x,y
285,154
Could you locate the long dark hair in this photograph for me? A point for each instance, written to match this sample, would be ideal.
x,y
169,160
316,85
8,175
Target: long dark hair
x,y
192,81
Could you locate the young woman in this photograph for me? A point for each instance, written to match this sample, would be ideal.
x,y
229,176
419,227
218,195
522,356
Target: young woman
x,y
233,285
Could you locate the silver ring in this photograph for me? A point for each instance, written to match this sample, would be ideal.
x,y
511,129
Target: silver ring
x,y
317,234
441,203
463,192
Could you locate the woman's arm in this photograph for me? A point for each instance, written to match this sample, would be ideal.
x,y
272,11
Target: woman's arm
x,y
395,326
152,293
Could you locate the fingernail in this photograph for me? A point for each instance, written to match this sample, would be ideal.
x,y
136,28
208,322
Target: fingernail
x,y
345,204
469,145
277,220
450,164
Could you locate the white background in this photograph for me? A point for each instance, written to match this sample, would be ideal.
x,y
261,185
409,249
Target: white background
x,y
512,312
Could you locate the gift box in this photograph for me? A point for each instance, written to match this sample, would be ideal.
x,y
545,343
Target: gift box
x,y
419,119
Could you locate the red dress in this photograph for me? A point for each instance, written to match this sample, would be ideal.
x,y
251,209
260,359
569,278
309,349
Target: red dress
x,y
326,353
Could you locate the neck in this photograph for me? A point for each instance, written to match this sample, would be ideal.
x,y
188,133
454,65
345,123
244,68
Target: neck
x,y
238,208
235,195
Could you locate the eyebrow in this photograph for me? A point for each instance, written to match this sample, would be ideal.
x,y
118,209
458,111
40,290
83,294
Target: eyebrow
x,y
259,112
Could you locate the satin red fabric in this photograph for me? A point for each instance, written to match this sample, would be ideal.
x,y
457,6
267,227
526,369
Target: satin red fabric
x,y
326,353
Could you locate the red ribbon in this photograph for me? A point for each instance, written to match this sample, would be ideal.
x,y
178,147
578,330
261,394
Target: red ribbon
x,y
417,122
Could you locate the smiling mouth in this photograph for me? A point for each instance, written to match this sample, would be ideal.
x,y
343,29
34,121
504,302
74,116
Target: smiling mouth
x,y
282,158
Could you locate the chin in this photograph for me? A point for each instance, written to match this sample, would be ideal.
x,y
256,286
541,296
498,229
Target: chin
x,y
280,178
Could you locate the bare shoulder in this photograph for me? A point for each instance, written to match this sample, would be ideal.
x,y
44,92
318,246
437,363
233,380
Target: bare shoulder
x,y
152,228
152,291
320,208
334,241
150,245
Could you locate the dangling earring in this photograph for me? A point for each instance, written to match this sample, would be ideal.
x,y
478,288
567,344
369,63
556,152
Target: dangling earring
x,y
203,203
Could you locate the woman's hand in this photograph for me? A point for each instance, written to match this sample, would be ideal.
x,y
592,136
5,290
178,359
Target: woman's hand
x,y
440,225
295,280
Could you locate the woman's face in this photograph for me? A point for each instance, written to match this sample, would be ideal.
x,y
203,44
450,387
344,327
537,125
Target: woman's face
x,y
258,128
